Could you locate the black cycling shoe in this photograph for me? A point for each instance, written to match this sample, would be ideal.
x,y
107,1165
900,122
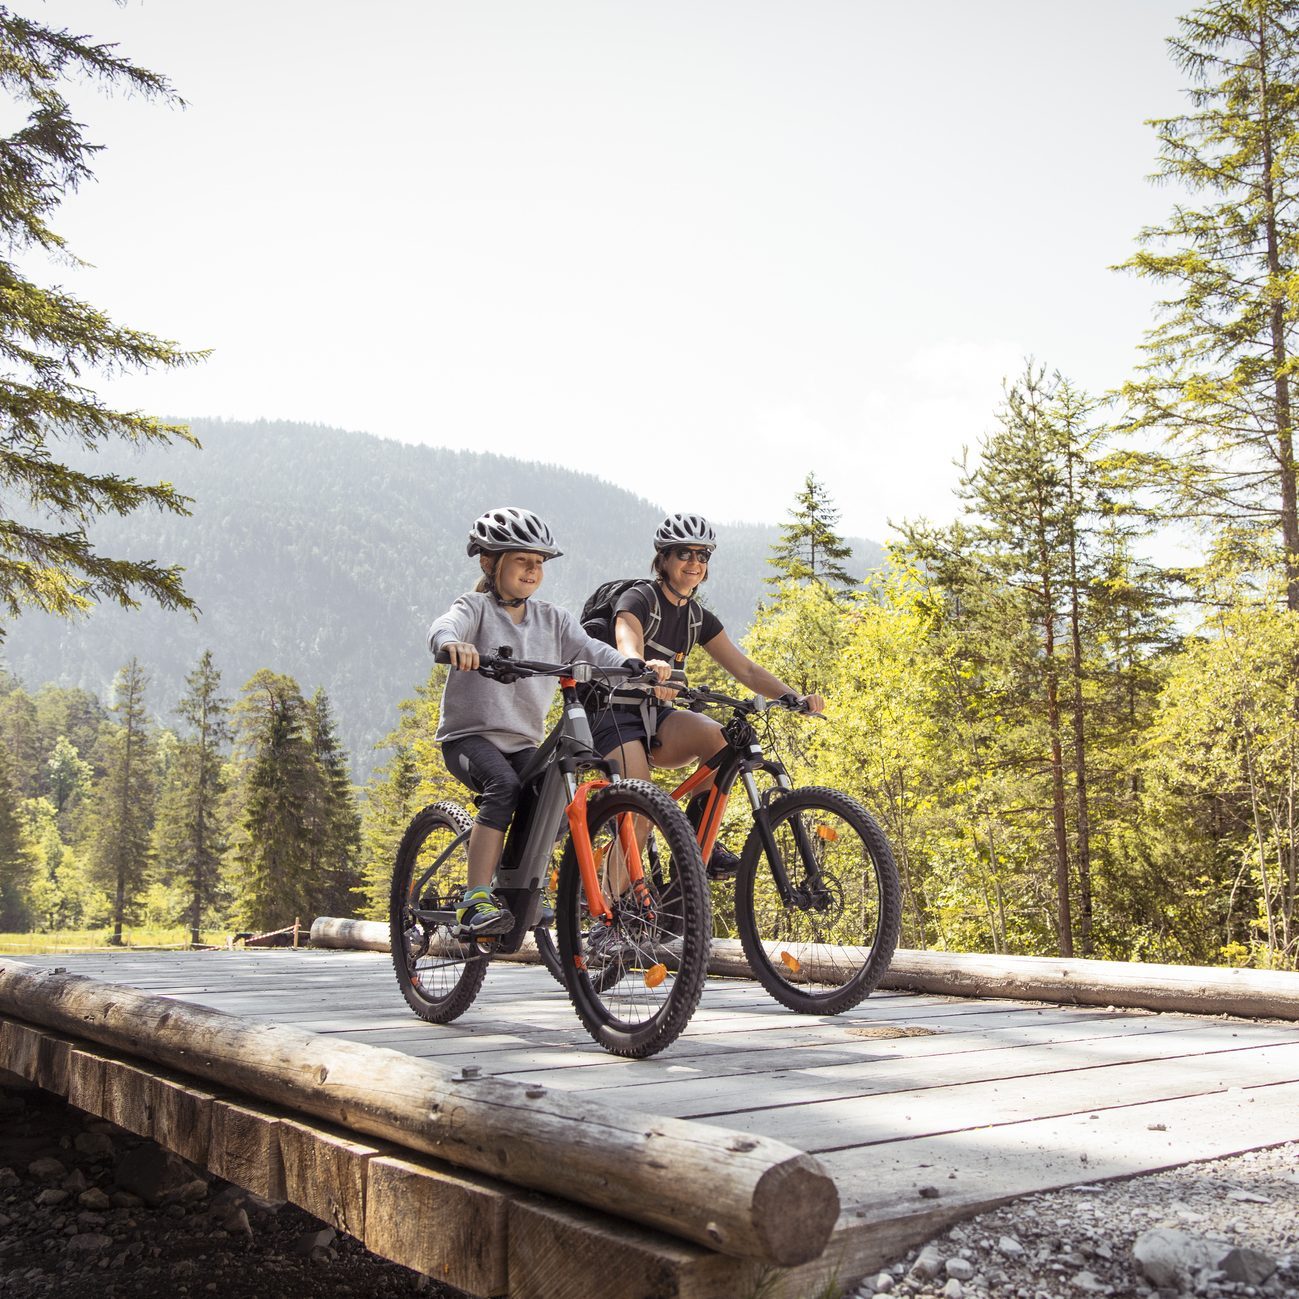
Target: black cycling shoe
x,y
723,864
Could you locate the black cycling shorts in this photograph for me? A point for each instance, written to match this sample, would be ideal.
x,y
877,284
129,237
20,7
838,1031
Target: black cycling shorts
x,y
615,726
491,774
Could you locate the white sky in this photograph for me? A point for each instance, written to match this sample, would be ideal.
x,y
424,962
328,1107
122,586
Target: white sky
x,y
698,247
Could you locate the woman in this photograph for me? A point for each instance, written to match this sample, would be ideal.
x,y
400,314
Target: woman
x,y
489,732
662,621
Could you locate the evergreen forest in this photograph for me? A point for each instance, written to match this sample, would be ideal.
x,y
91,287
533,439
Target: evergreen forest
x,y
1072,702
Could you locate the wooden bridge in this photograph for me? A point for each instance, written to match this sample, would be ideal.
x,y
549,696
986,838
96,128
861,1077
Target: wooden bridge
x,y
506,1154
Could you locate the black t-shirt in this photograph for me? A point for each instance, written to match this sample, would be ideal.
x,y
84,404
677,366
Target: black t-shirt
x,y
671,639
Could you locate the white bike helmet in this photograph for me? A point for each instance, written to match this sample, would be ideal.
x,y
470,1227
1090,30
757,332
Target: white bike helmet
x,y
511,528
685,530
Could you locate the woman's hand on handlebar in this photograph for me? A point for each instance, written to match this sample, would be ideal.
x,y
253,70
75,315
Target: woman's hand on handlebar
x,y
803,703
662,671
462,656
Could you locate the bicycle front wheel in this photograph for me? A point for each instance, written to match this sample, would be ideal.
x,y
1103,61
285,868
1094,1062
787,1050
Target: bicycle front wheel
x,y
438,973
636,982
819,907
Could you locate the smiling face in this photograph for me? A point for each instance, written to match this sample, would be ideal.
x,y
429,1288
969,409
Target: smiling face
x,y
518,573
684,567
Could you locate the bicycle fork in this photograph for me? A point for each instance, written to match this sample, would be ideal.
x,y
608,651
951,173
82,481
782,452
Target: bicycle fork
x,y
597,904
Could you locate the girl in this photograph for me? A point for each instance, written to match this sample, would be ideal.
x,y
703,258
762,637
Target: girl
x,y
488,731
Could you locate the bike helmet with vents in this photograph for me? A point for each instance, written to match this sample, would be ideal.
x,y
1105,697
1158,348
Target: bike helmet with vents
x,y
685,530
511,528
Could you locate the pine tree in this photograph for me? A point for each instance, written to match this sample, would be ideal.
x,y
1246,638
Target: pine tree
x,y
17,866
1217,380
279,790
49,340
336,840
190,834
124,798
809,549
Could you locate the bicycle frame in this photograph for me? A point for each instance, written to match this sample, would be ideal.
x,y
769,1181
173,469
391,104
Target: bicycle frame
x,y
740,758
552,797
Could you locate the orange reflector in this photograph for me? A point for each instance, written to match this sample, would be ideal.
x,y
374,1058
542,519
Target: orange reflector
x,y
793,964
554,877
655,975
826,832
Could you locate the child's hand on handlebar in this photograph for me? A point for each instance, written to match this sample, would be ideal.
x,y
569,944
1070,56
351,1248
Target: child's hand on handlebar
x,y
462,656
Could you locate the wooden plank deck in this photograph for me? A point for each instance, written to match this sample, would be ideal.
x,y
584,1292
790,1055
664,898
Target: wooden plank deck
x,y
923,1108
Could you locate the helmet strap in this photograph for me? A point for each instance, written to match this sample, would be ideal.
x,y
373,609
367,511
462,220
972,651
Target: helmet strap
x,y
681,595
490,575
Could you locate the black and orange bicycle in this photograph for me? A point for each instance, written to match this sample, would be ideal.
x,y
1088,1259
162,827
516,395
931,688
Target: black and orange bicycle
x,y
817,896
631,909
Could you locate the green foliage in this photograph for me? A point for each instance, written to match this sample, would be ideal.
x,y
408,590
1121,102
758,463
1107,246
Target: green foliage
x,y
1216,385
191,831
124,798
810,550
50,341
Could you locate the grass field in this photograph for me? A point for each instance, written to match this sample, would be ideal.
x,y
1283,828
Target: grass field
x,y
81,940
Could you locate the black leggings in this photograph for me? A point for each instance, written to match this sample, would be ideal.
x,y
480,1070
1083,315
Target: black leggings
x,y
491,774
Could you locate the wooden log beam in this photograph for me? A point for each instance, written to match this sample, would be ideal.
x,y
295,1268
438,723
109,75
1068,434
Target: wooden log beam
x,y
1196,989
741,1195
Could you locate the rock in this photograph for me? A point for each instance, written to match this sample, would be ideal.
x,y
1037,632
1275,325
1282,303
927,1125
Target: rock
x,y
124,1200
929,1192
1090,1283
953,1289
312,1241
883,1283
1246,1266
1171,1258
8,1179
94,1199
94,1144
1009,1245
960,1268
234,1219
46,1170
928,1263
89,1242
157,1176
52,1195
75,1182
1248,1197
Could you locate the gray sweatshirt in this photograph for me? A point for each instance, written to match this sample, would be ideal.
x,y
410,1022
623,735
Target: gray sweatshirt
x,y
511,717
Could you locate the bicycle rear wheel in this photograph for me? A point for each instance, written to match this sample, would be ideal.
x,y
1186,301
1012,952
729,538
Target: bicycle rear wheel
x,y
544,933
819,924
635,983
439,975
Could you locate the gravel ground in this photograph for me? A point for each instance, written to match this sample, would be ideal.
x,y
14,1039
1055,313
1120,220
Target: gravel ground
x,y
70,1225
1243,1211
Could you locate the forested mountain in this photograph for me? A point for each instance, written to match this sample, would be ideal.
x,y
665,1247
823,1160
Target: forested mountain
x,y
325,554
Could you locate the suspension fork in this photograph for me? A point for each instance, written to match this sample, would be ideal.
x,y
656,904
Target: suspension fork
x,y
596,903
802,840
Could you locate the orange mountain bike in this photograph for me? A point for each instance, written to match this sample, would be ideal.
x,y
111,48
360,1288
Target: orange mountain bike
x,y
817,897
633,941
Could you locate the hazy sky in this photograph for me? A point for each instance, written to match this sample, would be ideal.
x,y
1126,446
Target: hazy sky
x,y
697,248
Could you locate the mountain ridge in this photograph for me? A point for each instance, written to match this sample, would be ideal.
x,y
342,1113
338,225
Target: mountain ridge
x,y
325,554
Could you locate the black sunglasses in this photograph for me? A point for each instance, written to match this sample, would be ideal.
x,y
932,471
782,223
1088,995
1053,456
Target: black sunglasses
x,y
686,553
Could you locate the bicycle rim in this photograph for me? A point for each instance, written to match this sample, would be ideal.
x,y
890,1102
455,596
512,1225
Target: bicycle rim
x,y
825,946
439,975
636,989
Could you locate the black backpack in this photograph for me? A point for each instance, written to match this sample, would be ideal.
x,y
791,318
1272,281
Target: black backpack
x,y
597,617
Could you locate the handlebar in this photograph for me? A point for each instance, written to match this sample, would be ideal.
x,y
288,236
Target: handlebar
x,y
507,669
754,704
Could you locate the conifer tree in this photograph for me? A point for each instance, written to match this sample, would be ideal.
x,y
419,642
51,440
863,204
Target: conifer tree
x,y
1217,378
16,862
51,342
280,789
336,837
810,550
189,837
124,798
